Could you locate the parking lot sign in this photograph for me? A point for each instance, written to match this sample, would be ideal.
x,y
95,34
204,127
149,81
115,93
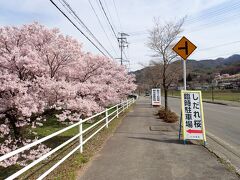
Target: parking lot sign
x,y
156,97
192,115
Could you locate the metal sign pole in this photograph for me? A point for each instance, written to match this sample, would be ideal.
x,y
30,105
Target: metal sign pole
x,y
183,48
185,88
184,74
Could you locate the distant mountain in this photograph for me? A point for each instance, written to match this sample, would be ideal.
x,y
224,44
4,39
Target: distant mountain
x,y
219,65
203,68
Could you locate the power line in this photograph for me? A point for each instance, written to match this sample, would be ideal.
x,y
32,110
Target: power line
x,y
109,14
223,11
213,12
227,15
216,22
222,14
117,14
125,55
78,28
101,25
220,45
100,2
120,40
75,16
217,15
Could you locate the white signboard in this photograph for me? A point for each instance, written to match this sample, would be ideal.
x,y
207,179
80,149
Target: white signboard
x,y
192,115
156,97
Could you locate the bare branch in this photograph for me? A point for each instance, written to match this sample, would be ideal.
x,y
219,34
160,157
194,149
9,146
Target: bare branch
x,y
160,41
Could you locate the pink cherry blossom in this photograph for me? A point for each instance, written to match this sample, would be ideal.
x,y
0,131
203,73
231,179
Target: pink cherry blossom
x,y
40,70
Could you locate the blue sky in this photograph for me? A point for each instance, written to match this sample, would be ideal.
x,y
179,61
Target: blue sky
x,y
213,25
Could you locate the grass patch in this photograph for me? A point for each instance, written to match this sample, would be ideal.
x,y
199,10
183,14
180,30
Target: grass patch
x,y
227,95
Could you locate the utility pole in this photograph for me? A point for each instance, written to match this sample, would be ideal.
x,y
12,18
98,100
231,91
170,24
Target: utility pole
x,y
122,40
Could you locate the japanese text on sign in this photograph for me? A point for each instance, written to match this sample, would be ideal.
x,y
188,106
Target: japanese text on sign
x,y
156,97
193,120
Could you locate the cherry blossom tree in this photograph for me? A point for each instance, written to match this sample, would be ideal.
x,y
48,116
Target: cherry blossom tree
x,y
40,70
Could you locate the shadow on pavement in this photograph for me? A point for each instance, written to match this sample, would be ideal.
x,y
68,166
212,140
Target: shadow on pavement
x,y
173,141
138,133
139,116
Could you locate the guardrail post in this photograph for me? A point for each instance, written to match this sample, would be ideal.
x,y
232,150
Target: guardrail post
x,y
106,114
127,103
81,136
117,112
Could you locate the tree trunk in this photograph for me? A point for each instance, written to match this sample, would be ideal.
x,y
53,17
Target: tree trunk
x,y
13,120
164,86
165,98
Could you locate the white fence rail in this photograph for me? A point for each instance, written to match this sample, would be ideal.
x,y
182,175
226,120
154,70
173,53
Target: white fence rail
x,y
119,108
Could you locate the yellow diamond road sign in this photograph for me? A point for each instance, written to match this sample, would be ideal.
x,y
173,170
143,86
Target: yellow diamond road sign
x,y
184,48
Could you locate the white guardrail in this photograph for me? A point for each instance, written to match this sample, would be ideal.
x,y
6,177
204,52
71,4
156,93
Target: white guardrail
x,y
119,109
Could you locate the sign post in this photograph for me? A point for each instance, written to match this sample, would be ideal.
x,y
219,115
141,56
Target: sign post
x,y
184,75
184,48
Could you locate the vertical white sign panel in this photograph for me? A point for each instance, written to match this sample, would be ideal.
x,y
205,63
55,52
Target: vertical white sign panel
x,y
156,97
192,115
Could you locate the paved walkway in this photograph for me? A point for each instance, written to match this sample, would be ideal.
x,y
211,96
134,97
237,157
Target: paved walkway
x,y
144,147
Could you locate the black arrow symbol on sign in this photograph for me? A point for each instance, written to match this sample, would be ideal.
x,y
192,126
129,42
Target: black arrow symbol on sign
x,y
184,48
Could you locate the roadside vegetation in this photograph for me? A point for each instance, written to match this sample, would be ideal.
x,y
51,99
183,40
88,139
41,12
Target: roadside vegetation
x,y
167,115
47,82
216,95
69,168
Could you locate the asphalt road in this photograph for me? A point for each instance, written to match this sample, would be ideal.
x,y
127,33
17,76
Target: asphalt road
x,y
145,148
220,120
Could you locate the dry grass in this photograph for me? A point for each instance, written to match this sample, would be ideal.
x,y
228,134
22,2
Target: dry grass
x,y
167,115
